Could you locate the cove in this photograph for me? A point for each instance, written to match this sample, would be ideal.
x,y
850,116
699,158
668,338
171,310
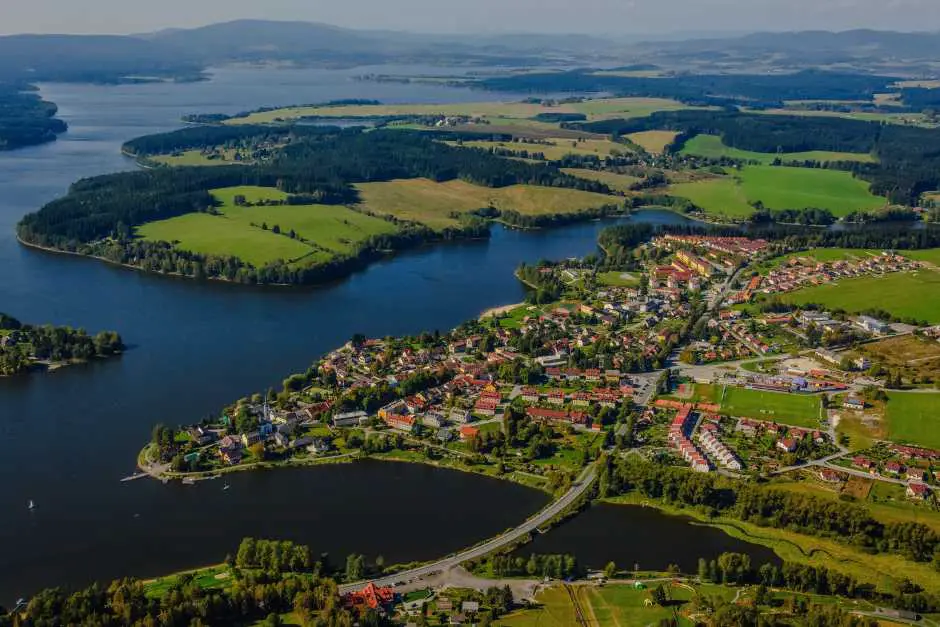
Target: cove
x,y
632,535
67,438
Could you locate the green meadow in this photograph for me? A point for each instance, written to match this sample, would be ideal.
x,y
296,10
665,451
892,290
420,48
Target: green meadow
x,y
800,410
711,146
906,295
780,188
914,418
321,231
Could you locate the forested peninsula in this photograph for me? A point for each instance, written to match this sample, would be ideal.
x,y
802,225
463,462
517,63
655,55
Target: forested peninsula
x,y
314,170
25,347
25,118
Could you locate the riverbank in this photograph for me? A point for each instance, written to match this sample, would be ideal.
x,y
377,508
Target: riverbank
x,y
883,570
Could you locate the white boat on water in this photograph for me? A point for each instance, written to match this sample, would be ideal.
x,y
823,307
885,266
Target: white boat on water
x,y
31,505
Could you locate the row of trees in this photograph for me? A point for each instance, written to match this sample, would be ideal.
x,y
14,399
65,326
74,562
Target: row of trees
x,y
844,522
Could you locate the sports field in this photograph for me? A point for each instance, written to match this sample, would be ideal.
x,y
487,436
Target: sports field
x,y
617,182
432,203
780,188
800,410
711,146
618,279
914,418
653,141
322,231
907,295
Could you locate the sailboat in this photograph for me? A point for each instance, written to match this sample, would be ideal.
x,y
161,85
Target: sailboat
x,y
31,505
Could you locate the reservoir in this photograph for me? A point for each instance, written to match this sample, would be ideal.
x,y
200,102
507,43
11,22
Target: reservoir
x,y
67,438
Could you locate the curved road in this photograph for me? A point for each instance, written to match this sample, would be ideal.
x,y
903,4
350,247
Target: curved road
x,y
580,486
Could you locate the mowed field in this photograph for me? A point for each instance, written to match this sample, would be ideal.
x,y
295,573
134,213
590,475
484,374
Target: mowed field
x,y
328,229
496,112
196,157
618,182
914,418
800,410
433,204
780,188
653,141
711,146
907,295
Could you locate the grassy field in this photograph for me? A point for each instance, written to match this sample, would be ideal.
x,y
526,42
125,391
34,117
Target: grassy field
x,y
712,147
780,188
496,112
719,196
653,141
929,255
327,229
912,356
909,294
196,157
793,409
611,606
557,148
432,203
617,182
618,279
914,418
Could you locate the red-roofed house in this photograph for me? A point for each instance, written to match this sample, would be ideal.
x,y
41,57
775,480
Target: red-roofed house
x,y
370,597
468,432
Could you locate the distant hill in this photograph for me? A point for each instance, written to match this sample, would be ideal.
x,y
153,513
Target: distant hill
x,y
93,58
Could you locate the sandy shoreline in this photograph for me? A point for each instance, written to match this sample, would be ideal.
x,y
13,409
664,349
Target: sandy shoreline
x,y
496,311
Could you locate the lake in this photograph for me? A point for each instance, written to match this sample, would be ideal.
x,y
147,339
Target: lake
x,y
67,438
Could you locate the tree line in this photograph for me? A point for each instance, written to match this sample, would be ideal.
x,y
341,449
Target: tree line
x,y
270,578
907,166
22,344
843,522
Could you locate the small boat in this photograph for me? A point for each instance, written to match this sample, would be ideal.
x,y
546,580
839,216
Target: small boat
x,y
31,505
189,481
226,487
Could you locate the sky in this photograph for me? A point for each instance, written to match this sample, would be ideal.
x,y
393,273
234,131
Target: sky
x,y
468,16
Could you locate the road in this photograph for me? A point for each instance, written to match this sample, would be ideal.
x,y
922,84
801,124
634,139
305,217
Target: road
x,y
580,486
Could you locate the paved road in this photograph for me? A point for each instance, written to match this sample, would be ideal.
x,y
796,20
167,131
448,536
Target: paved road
x,y
581,485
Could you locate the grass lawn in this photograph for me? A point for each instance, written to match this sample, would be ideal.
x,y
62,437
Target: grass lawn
x,y
653,141
217,577
617,182
432,203
712,147
914,418
909,294
780,188
793,409
618,279
328,229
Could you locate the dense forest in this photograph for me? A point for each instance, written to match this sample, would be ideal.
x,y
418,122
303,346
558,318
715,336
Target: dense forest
x,y
99,214
25,118
755,91
908,161
21,345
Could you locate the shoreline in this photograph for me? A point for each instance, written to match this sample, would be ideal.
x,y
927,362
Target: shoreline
x,y
498,311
